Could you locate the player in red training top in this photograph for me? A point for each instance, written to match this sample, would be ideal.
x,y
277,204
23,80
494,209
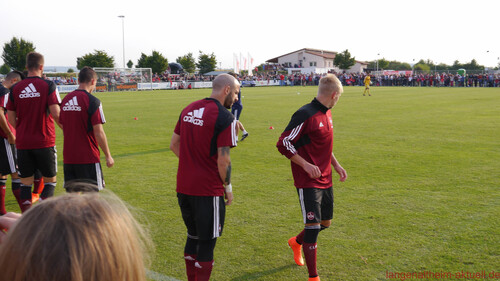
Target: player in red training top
x,y
308,141
205,132
33,106
8,161
82,118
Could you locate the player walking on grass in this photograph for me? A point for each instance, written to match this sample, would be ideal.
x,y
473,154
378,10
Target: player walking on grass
x,y
308,142
367,85
205,132
8,161
236,111
82,118
32,108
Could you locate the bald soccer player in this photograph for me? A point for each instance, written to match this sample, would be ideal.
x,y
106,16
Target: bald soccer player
x,y
205,132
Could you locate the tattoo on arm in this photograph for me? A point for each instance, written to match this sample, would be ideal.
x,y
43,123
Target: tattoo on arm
x,y
228,174
224,150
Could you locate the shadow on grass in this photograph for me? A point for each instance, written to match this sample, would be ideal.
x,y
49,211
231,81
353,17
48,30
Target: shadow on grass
x,y
259,274
141,153
123,155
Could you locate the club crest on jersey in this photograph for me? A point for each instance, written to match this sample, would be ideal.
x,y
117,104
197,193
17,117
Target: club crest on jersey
x,y
72,105
29,92
194,117
310,216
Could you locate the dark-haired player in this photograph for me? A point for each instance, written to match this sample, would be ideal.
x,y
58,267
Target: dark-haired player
x,y
205,132
236,109
33,106
82,118
8,161
308,142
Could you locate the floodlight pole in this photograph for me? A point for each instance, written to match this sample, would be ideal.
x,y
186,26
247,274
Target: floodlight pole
x,y
123,36
377,62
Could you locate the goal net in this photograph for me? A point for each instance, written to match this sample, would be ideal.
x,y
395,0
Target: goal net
x,y
122,79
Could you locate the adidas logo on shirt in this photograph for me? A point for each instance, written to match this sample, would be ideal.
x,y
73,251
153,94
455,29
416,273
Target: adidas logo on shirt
x,y
195,116
321,124
29,92
72,105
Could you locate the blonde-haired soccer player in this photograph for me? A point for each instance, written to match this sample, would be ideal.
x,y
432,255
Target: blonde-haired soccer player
x,y
308,142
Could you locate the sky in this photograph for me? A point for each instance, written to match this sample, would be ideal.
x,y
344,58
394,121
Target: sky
x,y
407,31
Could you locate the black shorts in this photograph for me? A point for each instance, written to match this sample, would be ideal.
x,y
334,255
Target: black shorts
x,y
316,204
236,111
91,172
43,159
8,157
202,215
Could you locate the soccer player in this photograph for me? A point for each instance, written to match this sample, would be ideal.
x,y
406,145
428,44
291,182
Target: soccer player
x,y
28,106
367,84
236,111
308,141
8,161
82,118
205,132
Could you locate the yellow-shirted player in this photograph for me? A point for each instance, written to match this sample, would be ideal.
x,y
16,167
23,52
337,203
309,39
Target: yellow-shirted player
x,y
367,85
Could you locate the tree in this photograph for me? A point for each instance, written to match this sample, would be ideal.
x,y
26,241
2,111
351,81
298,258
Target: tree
x,y
343,60
187,62
206,63
473,65
130,64
4,69
396,65
383,63
15,51
422,67
157,62
97,59
71,70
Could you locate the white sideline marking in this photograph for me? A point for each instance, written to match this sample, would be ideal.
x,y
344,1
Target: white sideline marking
x,y
159,277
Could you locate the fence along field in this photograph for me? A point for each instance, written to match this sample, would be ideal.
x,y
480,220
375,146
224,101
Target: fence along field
x,y
422,193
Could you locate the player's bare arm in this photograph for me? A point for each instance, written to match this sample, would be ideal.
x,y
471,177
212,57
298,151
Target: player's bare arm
x,y
175,143
224,166
339,169
12,117
5,127
102,141
312,170
54,111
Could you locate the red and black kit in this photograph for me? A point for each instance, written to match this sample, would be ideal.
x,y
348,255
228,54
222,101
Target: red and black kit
x,y
310,135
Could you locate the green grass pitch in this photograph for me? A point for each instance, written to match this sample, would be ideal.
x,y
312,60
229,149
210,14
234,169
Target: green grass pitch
x,y
423,192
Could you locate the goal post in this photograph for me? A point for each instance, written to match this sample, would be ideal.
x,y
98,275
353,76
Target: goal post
x,y
122,79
